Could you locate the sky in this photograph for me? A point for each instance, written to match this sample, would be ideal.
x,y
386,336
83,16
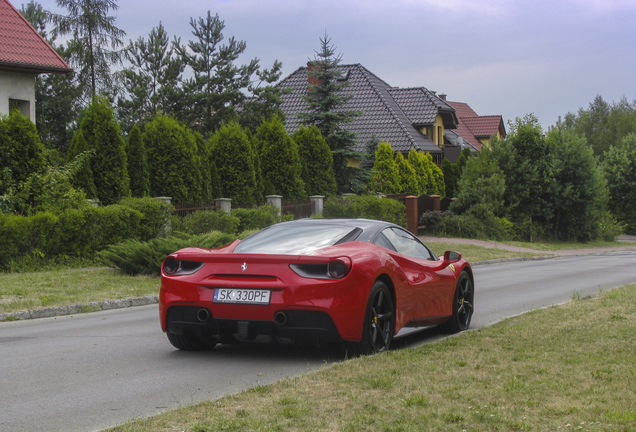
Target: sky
x,y
505,57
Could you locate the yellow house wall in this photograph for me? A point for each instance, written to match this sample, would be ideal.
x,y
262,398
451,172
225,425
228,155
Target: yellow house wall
x,y
435,132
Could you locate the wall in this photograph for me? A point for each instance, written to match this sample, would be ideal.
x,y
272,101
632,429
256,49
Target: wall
x,y
19,87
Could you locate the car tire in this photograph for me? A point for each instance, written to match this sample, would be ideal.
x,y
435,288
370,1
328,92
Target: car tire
x,y
379,323
189,342
463,305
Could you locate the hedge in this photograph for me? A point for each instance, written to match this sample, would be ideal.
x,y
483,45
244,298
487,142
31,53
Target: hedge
x,y
80,232
366,206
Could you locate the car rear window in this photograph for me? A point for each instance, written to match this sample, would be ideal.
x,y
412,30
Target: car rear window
x,y
296,239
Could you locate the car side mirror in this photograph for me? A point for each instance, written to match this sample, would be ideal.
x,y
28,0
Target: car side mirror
x,y
451,257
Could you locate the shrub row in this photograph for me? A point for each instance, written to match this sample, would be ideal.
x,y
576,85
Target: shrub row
x,y
365,206
80,232
135,257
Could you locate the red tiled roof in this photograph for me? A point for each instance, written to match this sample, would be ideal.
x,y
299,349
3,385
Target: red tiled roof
x,y
483,126
462,109
22,48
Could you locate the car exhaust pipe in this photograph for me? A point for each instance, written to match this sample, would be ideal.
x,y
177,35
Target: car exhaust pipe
x,y
280,318
203,315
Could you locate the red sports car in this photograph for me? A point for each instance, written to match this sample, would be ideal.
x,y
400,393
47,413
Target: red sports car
x,y
356,281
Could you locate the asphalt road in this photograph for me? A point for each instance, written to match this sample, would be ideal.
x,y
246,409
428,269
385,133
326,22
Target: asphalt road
x,y
92,371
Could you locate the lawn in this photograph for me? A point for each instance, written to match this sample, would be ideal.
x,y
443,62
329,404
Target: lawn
x,y
565,368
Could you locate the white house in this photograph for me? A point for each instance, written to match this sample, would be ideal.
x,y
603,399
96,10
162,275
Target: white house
x,y
23,55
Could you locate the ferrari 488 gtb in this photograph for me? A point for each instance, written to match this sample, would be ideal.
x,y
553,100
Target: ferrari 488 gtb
x,y
354,281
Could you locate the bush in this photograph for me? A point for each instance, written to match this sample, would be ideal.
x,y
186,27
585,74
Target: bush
x,y
135,257
256,218
366,206
201,222
156,216
448,224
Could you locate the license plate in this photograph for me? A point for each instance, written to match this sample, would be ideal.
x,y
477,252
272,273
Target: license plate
x,y
241,295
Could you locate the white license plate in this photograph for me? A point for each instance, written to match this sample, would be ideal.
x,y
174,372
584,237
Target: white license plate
x,y
241,295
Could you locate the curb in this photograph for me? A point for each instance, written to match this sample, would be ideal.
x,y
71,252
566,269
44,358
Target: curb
x,y
55,311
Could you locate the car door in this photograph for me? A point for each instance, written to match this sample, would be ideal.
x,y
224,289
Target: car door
x,y
422,294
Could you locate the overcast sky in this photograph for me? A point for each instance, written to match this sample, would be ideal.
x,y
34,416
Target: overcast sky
x,y
508,57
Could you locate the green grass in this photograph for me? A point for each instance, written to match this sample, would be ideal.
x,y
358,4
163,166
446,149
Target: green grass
x,y
474,254
23,291
565,368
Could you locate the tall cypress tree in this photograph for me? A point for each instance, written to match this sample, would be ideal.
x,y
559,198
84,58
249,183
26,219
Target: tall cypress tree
x,y
174,164
325,102
234,156
83,177
316,161
103,135
280,162
137,164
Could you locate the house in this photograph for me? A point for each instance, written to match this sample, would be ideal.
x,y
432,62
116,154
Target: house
x,y
475,129
23,55
407,118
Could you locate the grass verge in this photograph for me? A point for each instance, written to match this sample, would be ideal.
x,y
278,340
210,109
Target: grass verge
x,y
474,254
24,291
565,368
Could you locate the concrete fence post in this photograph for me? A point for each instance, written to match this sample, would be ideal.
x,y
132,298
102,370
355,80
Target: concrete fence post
x,y
225,204
276,201
317,203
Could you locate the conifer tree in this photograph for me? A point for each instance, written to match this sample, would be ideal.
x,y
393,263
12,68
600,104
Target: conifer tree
x,y
423,171
95,41
386,174
137,164
324,102
109,165
83,176
21,150
234,158
316,162
280,163
408,178
174,165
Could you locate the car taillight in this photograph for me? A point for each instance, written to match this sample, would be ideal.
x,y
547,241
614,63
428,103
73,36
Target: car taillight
x,y
171,265
340,267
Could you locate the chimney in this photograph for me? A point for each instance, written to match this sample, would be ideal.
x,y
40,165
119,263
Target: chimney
x,y
312,80
442,96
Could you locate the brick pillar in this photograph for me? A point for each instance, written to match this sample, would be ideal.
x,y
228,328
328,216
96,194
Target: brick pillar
x,y
437,206
411,214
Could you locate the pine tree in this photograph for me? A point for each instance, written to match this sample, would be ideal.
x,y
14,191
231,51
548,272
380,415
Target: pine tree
x,y
152,81
95,40
280,163
217,83
137,164
316,162
324,102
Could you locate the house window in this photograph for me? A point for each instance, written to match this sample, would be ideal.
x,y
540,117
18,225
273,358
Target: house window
x,y
23,105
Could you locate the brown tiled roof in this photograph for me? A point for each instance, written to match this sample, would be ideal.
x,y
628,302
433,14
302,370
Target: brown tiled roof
x,y
22,48
388,114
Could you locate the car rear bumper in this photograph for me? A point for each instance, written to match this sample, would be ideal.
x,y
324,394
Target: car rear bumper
x,y
294,326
